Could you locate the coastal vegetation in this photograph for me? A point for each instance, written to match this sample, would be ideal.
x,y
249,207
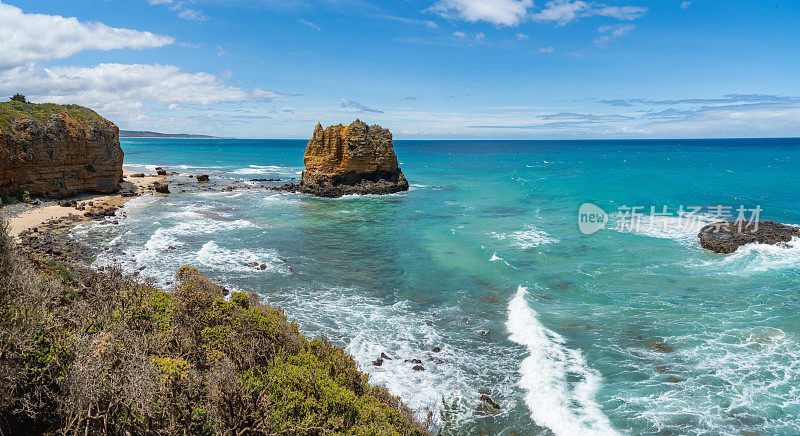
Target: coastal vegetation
x,y
18,109
104,353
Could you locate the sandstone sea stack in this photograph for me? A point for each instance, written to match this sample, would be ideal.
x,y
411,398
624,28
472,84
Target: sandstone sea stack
x,y
354,159
727,237
57,151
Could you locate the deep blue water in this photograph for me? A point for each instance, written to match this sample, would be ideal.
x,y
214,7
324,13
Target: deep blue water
x,y
622,331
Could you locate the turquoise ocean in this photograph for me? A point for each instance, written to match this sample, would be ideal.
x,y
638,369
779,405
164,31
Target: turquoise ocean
x,y
633,330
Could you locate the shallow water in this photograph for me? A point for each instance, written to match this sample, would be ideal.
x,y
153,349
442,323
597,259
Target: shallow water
x,y
631,332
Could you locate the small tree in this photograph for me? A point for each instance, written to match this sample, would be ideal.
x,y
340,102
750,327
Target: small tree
x,y
18,97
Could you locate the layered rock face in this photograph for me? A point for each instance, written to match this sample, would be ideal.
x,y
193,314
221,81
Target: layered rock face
x,y
57,151
354,159
727,237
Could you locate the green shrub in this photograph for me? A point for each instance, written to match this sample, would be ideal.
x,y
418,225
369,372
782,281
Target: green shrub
x,y
104,353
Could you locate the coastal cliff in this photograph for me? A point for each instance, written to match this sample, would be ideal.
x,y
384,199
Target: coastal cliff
x,y
57,151
354,159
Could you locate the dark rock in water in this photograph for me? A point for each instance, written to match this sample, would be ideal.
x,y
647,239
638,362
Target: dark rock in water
x,y
484,333
436,349
418,368
559,285
251,264
664,348
727,237
202,178
262,267
415,361
385,357
161,187
354,159
377,362
160,171
487,400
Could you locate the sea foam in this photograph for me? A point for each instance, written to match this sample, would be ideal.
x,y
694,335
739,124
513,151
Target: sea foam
x,y
560,387
529,238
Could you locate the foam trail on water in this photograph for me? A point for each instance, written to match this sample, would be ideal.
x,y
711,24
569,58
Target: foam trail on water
x,y
555,402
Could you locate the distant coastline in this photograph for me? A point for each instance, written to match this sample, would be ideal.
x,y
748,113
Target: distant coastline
x,y
154,135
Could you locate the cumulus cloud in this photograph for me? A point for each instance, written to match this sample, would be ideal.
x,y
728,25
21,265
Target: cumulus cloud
x,y
499,12
349,104
122,89
28,38
565,11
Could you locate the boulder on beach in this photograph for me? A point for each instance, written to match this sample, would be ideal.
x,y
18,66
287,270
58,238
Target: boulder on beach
x,y
354,159
727,237
202,178
161,187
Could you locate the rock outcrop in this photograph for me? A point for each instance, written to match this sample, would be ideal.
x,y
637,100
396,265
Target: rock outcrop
x,y
57,151
727,237
354,159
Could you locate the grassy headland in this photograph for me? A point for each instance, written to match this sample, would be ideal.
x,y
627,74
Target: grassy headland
x,y
12,111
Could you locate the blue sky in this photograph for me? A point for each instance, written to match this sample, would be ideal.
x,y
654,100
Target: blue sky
x,y
521,69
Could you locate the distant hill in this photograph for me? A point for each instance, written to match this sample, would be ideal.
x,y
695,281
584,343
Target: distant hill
x,y
145,134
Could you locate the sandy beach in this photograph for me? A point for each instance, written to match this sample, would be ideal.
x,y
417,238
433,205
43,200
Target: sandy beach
x,y
39,215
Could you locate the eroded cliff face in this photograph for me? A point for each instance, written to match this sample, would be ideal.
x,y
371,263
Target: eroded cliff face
x,y
55,154
354,159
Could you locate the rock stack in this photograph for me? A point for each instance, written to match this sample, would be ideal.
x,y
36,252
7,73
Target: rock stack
x,y
354,159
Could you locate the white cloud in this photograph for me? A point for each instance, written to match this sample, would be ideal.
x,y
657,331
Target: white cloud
x,y
191,14
310,24
610,33
459,34
622,13
28,38
561,11
124,90
546,50
350,104
564,11
184,12
685,4
499,12
521,36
